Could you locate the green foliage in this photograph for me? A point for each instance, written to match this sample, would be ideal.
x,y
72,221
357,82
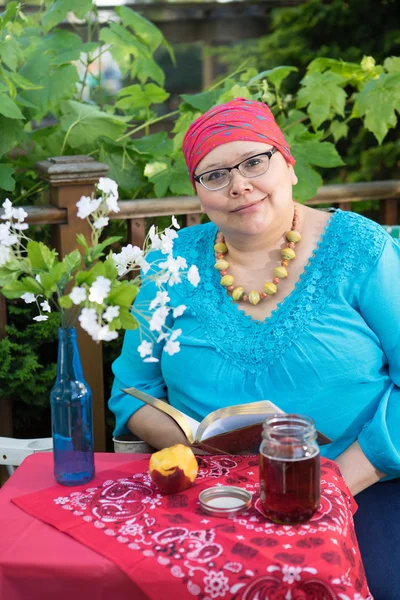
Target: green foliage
x,y
28,369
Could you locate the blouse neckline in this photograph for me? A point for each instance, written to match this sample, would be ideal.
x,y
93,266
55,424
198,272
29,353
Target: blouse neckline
x,y
280,307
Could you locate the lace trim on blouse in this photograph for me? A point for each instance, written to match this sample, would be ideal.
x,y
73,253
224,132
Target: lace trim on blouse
x,y
349,246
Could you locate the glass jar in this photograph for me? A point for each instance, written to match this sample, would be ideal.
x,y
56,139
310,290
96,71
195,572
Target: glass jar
x,y
289,469
71,415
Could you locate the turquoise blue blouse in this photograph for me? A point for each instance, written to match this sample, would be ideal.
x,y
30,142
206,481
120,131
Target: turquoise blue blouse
x,y
330,350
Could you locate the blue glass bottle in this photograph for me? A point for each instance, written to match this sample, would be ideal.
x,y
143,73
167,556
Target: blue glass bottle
x,y
71,415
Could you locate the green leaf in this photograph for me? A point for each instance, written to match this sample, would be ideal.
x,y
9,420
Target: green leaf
x,y
134,96
80,238
57,83
65,302
323,95
11,134
180,183
127,320
144,29
14,289
320,154
145,67
155,144
85,124
97,251
339,130
7,181
59,8
123,294
158,172
31,285
308,181
11,53
203,101
9,109
10,13
392,64
377,103
90,275
124,169
41,257
275,76
23,83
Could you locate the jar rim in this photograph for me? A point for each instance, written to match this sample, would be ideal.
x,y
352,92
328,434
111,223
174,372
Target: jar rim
x,y
286,428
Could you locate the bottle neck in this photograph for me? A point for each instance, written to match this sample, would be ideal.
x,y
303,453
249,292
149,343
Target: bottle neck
x,y
69,362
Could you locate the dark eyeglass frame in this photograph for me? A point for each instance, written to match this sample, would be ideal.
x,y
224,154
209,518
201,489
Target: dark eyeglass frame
x,y
269,153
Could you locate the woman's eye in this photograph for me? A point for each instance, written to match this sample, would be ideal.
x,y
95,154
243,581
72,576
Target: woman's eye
x,y
253,162
215,175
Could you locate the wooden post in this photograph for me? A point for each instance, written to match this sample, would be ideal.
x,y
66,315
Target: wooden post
x,y
71,177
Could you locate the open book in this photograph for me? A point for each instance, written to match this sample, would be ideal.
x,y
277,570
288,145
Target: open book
x,y
230,430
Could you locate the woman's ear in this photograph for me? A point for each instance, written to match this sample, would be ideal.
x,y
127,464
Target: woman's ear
x,y
293,176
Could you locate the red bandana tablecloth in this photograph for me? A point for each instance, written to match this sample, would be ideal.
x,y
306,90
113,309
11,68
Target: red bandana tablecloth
x,y
172,550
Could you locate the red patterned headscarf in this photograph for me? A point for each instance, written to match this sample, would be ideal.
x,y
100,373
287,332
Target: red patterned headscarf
x,y
239,119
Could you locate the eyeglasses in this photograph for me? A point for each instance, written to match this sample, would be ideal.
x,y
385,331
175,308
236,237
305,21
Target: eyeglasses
x,y
250,167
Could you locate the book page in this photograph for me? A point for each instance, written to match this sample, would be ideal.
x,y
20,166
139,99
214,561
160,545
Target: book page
x,y
233,417
193,424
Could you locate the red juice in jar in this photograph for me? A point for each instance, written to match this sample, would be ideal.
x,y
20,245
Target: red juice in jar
x,y
289,469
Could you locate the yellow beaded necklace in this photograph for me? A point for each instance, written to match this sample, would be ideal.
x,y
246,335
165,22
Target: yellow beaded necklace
x,y
280,272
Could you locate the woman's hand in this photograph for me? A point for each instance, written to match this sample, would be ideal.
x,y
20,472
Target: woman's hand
x,y
357,470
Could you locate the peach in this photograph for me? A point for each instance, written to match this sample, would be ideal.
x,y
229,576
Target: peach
x,y
173,469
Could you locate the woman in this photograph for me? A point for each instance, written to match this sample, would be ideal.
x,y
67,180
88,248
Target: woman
x,y
314,328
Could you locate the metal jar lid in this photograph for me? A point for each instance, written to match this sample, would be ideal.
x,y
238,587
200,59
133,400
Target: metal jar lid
x,y
225,500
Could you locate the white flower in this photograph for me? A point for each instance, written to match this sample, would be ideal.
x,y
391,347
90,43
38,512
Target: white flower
x,y
45,306
155,240
8,209
175,334
108,186
4,255
40,318
145,348
28,297
112,204
127,258
175,223
101,222
111,313
6,238
99,290
161,299
157,321
37,277
88,320
193,276
166,240
105,334
172,347
179,310
19,214
21,226
151,359
78,295
86,206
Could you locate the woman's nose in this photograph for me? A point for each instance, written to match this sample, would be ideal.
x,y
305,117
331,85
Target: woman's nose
x,y
239,183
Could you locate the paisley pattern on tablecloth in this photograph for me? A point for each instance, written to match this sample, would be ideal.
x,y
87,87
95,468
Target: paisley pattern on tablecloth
x,y
199,556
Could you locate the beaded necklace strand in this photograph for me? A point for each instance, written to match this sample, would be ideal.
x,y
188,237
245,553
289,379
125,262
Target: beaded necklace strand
x,y
280,272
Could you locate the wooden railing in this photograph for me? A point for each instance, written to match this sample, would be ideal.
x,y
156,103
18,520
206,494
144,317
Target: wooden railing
x,y
70,178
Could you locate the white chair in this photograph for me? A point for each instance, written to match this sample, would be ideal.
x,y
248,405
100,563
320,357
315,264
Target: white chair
x,y
14,451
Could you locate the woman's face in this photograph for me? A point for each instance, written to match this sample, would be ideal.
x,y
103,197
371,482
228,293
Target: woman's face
x,y
247,205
